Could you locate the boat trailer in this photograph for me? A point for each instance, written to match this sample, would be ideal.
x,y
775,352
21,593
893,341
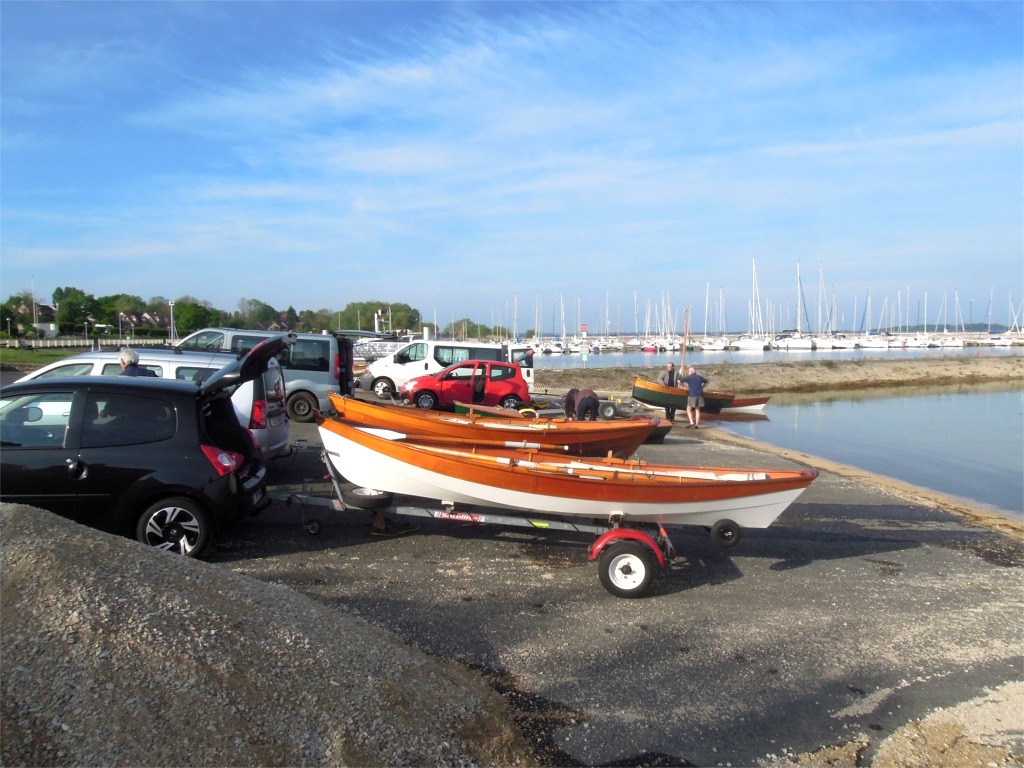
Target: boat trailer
x,y
626,553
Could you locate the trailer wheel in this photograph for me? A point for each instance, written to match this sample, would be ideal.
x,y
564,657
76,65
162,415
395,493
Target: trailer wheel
x,y
607,411
626,568
725,533
365,498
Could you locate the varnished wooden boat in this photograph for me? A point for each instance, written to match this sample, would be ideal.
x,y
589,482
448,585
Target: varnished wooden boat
x,y
535,481
657,436
581,438
661,396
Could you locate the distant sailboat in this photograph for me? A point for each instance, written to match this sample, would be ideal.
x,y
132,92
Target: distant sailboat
x,y
754,341
795,340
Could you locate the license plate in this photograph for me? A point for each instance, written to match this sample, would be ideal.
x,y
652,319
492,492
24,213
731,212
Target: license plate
x,y
276,422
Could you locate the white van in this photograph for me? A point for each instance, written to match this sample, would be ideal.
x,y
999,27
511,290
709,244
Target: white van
x,y
318,364
259,404
385,376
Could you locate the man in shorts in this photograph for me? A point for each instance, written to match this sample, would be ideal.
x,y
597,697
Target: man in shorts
x,y
695,384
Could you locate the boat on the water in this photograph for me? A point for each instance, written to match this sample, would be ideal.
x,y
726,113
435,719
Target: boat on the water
x,y
745,404
624,490
620,437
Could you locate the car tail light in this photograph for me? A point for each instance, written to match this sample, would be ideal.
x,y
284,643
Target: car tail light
x,y
258,416
225,462
337,367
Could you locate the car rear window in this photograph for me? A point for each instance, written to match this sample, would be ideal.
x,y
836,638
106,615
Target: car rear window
x,y
114,369
193,374
71,369
119,419
308,355
446,355
273,383
499,372
245,343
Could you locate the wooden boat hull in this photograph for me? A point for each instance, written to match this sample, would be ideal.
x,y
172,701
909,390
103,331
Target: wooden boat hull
x,y
655,394
534,481
746,405
581,438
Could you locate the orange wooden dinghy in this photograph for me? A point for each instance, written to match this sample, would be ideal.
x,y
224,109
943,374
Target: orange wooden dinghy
x,y
580,438
535,481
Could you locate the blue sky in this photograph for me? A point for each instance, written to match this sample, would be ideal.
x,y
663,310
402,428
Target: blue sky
x,y
469,158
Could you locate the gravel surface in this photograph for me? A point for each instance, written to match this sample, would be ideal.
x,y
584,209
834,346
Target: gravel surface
x,y
114,654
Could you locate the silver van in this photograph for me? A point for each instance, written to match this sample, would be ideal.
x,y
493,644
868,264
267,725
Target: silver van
x,y
259,404
318,364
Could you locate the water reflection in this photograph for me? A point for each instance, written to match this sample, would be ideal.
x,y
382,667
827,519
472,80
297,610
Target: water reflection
x,y
966,441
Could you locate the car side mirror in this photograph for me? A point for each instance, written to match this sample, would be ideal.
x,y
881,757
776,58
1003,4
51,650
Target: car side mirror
x,y
33,413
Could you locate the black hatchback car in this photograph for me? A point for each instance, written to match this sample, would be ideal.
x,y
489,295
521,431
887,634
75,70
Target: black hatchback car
x,y
164,461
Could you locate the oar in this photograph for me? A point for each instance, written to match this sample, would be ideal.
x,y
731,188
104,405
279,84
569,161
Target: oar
x,y
470,442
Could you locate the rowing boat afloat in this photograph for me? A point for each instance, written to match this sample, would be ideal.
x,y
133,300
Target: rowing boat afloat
x,y
580,438
612,489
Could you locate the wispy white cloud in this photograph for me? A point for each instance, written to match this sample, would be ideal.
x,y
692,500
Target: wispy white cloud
x,y
438,139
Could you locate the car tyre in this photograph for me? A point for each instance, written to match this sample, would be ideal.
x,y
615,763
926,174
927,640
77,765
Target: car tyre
x,y
511,402
302,407
176,524
425,400
383,388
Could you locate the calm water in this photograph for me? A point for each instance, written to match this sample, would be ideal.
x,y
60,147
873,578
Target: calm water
x,y
658,359
966,442
962,441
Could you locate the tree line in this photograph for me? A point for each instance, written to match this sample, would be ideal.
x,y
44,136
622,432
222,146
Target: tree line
x,y
76,313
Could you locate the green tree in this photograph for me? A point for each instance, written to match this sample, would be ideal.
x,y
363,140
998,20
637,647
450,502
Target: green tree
x,y
291,317
8,322
74,309
253,313
20,307
190,315
393,317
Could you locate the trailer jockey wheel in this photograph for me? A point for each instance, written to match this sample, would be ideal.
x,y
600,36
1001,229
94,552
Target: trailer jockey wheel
x,y
725,533
365,498
626,568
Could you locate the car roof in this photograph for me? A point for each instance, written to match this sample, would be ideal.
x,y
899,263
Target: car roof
x,y
107,383
212,358
233,370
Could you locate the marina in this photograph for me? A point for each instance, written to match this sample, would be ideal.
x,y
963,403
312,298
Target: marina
x,y
639,359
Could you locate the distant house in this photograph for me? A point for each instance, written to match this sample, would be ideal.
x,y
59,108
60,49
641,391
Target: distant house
x,y
44,312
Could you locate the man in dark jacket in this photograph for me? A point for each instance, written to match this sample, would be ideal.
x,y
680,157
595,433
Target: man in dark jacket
x,y
668,379
129,360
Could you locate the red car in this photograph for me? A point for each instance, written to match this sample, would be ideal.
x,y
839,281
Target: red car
x,y
480,382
